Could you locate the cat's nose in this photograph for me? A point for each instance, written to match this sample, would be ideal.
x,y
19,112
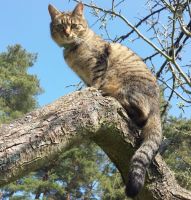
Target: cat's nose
x,y
67,32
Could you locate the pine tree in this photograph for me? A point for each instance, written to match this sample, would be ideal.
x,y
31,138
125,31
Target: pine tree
x,y
178,151
18,89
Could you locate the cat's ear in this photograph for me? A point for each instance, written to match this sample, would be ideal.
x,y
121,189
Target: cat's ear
x,y
78,10
53,11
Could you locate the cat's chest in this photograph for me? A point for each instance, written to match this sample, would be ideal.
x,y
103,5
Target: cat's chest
x,y
78,62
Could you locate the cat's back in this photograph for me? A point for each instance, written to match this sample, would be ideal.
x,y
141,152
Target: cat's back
x,y
128,65
125,56
127,70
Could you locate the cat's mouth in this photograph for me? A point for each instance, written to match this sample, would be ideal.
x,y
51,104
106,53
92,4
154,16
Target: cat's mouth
x,y
67,39
71,39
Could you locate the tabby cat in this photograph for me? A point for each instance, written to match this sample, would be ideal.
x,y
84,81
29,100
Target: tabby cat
x,y
118,72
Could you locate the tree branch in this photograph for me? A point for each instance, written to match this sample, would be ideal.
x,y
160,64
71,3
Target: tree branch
x,y
41,136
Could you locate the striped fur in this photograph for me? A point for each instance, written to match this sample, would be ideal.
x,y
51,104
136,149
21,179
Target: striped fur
x,y
118,72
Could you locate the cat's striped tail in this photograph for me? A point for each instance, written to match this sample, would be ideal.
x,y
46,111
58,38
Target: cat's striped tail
x,y
143,156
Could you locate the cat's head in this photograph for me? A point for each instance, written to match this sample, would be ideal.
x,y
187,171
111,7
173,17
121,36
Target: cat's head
x,y
68,28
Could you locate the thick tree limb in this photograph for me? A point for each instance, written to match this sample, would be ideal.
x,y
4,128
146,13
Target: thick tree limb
x,y
35,140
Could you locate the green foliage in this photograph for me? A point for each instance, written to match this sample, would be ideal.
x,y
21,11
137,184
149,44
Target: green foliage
x,y
33,185
177,155
18,89
90,174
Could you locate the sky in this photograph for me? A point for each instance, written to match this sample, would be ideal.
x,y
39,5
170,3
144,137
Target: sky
x,y
26,22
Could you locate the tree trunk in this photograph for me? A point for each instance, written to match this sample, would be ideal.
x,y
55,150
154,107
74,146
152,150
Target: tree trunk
x,y
41,136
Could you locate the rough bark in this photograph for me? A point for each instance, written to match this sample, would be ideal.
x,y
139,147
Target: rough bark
x,y
39,137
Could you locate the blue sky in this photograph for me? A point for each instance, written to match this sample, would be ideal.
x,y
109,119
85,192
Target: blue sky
x,y
27,23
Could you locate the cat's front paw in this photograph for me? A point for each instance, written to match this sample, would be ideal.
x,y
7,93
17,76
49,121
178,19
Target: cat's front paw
x,y
94,89
103,93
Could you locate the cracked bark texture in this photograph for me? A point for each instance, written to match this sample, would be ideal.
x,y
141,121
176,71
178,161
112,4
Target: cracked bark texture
x,y
33,141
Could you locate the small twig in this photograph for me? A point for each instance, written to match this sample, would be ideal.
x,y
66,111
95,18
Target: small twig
x,y
107,33
184,28
123,37
189,8
161,69
104,15
78,86
166,4
173,33
184,76
188,92
112,7
179,48
151,56
169,98
179,95
120,2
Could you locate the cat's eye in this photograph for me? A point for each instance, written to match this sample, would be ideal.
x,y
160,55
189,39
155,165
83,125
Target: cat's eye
x,y
58,27
74,26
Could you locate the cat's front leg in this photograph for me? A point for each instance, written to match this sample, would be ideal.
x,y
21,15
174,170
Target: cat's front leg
x,y
97,85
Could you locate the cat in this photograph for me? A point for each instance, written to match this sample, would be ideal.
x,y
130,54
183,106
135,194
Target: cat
x,y
116,71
